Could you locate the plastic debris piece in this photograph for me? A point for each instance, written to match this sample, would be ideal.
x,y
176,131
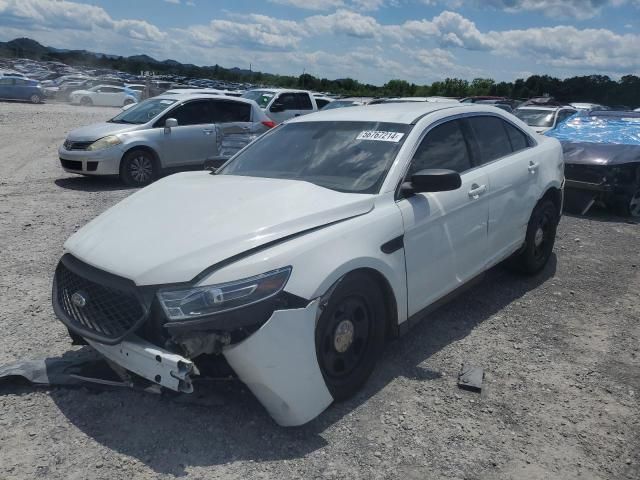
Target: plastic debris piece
x,y
470,378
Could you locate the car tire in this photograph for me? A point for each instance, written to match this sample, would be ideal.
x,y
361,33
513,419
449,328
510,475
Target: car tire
x,y
628,205
138,168
35,98
350,334
86,101
539,240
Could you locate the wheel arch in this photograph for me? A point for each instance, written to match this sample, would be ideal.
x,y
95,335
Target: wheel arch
x,y
555,195
146,148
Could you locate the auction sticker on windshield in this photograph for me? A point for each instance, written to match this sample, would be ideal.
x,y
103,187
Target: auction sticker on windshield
x,y
380,136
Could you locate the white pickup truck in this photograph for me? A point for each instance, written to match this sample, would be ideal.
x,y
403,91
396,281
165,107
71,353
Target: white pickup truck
x,y
282,104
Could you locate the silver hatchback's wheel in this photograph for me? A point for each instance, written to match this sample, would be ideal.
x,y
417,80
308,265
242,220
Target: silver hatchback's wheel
x,y
138,168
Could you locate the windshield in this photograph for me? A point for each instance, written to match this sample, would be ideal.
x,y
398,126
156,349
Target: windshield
x,y
261,97
351,157
536,118
143,112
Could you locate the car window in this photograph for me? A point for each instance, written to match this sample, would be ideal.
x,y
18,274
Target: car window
x,y
111,90
6,81
491,138
443,147
229,111
519,140
344,156
321,102
288,100
564,114
21,82
196,112
261,97
304,102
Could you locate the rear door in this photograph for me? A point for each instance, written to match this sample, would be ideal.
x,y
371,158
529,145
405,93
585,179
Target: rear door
x,y
290,107
5,87
445,236
505,153
234,128
193,140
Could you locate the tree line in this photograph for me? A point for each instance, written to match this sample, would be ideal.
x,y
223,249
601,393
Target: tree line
x,y
588,88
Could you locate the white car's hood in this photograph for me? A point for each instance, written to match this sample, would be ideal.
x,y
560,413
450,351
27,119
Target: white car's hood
x,y
179,226
99,130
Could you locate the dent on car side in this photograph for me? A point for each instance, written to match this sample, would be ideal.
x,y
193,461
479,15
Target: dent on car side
x,y
266,224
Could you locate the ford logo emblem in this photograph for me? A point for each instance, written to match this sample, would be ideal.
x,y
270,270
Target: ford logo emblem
x,y
79,299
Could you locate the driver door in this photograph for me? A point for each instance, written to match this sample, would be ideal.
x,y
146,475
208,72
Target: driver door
x,y
445,235
289,102
193,140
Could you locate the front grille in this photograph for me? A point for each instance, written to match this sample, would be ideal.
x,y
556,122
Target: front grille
x,y
71,164
103,312
71,145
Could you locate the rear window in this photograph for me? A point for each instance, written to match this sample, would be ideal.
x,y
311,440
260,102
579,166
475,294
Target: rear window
x,y
519,141
304,102
261,97
229,111
491,138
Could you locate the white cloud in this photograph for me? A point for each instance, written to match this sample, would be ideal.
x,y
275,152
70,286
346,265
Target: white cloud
x,y
344,22
175,2
49,14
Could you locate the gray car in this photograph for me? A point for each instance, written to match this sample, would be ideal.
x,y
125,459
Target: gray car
x,y
168,131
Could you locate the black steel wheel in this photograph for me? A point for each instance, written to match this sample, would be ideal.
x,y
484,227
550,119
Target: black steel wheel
x,y
350,334
540,238
138,168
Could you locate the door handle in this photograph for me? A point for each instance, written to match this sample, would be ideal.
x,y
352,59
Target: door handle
x,y
477,190
533,167
207,132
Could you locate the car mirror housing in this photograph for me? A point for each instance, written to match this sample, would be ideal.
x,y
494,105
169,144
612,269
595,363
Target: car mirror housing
x,y
432,180
170,123
277,107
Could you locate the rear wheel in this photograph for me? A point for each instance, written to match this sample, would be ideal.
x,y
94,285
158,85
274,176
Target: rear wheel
x,y
350,334
539,241
35,98
138,168
86,101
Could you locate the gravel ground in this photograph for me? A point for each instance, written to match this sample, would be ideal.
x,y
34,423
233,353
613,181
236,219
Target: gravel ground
x,y
560,351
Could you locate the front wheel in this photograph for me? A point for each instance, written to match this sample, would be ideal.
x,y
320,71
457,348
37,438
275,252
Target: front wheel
x,y
86,101
540,238
138,168
35,98
350,334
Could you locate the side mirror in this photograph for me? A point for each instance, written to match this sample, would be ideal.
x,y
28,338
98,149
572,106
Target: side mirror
x,y
432,180
277,107
169,123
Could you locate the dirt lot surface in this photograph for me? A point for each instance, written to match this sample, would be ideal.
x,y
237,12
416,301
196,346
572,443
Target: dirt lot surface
x,y
560,351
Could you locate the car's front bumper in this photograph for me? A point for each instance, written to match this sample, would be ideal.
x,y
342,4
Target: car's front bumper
x,y
278,364
100,162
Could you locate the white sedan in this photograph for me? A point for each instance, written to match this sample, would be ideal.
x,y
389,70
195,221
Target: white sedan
x,y
298,258
103,95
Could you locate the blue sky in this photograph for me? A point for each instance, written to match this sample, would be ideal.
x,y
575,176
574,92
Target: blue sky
x,y
370,40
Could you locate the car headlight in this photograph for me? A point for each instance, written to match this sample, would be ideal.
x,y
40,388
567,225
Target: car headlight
x,y
104,142
194,302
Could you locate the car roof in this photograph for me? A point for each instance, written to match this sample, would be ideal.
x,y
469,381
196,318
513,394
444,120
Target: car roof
x,y
545,107
407,113
278,90
201,96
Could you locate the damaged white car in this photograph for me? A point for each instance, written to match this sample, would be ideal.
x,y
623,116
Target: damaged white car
x,y
294,262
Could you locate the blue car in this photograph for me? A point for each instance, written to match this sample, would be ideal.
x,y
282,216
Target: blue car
x,y
17,88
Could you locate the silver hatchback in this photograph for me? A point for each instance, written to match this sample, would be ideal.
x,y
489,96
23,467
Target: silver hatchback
x,y
168,131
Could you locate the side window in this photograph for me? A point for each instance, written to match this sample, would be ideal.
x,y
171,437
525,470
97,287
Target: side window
x,y
227,111
491,138
443,147
289,101
190,113
519,141
111,90
321,102
304,102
